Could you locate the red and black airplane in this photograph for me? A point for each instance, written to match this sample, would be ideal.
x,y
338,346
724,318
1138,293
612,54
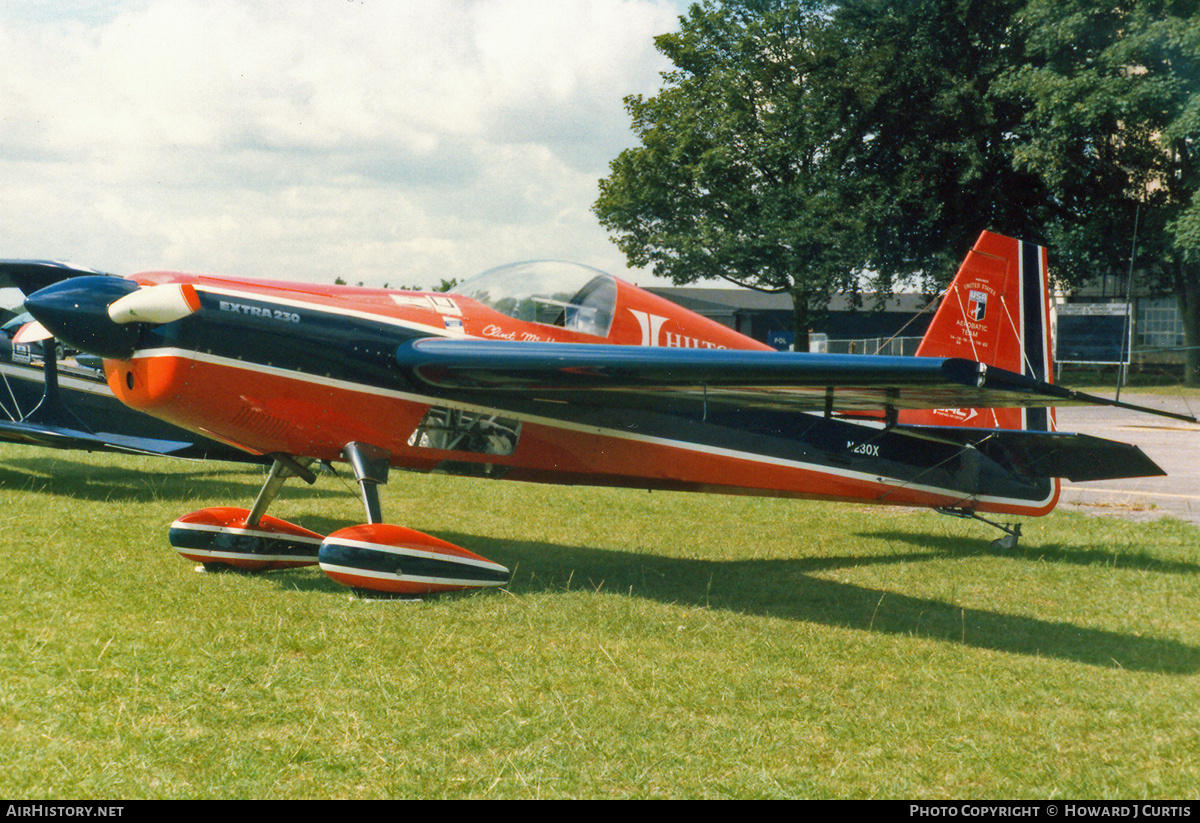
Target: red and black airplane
x,y
560,373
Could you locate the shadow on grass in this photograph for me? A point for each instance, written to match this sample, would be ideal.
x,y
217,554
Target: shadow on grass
x,y
234,484
778,588
786,589
1053,553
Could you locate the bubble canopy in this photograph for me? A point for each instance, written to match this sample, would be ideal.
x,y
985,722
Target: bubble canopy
x,y
555,293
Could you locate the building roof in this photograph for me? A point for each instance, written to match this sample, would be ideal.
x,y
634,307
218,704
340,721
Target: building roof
x,y
726,301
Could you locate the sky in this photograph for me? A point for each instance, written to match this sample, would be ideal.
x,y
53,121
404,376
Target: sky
x,y
380,141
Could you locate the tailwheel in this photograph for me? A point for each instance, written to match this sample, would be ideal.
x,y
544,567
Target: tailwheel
x,y
1012,531
1008,541
221,538
380,558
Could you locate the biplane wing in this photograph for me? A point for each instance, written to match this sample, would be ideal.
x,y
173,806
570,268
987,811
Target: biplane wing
x,y
62,437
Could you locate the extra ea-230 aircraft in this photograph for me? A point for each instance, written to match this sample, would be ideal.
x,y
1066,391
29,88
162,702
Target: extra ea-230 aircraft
x,y
563,374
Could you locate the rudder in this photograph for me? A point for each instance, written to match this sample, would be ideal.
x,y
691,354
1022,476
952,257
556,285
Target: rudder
x,y
997,312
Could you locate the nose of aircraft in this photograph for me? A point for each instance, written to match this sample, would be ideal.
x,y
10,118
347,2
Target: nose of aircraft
x,y
76,312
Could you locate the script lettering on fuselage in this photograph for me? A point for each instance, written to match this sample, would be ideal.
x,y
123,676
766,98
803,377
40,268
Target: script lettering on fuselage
x,y
654,335
258,311
498,333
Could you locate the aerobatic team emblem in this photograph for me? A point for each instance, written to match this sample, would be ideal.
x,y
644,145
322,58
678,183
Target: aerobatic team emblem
x,y
977,305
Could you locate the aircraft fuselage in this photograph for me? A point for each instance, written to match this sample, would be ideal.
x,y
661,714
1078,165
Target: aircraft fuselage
x,y
312,373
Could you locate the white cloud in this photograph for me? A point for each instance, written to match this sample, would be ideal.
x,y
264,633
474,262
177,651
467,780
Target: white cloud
x,y
373,140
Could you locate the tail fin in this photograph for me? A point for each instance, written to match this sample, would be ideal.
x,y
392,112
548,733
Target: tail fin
x,y
997,312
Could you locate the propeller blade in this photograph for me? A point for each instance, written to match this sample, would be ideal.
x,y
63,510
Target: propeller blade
x,y
33,332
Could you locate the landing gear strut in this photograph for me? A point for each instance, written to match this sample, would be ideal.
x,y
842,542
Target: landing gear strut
x,y
393,560
225,537
1012,531
375,556
284,467
370,466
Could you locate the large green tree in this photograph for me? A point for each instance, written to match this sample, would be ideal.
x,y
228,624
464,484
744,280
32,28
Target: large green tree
x,y
1113,128
745,168
798,144
940,139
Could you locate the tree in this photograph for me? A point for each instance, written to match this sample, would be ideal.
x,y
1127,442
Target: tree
x,y
797,144
744,171
1113,88
939,140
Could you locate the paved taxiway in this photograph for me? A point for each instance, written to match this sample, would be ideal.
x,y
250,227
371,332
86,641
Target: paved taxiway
x,y
1172,444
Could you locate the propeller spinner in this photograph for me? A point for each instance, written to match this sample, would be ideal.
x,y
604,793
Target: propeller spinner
x,y
105,315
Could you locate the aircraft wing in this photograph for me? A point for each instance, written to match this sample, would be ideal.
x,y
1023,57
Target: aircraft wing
x,y
31,275
830,383
61,437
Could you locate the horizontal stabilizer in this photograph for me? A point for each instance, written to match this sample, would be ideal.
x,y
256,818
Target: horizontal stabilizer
x,y
59,437
1036,454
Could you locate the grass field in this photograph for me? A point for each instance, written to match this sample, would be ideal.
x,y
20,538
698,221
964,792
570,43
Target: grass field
x,y
649,645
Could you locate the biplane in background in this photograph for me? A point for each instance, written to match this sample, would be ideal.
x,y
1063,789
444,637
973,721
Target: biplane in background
x,y
564,374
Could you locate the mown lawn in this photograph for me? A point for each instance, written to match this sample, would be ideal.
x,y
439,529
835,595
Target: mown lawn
x,y
649,645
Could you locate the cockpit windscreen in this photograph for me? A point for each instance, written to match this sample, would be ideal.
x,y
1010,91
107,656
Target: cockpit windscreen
x,y
569,295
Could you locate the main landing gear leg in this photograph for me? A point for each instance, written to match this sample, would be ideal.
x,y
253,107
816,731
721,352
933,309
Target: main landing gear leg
x,y
370,466
225,537
284,467
381,560
375,557
1012,531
